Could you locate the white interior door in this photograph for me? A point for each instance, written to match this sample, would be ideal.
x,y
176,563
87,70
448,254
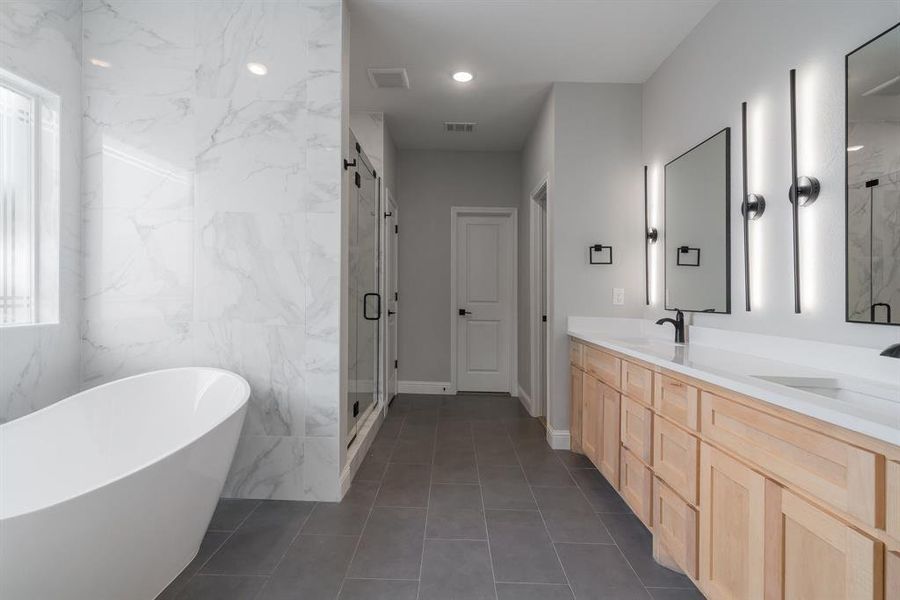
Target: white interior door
x,y
485,268
391,241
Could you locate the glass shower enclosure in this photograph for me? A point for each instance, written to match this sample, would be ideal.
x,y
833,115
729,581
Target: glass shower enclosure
x,y
365,305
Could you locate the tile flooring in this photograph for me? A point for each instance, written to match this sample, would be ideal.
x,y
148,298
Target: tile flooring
x,y
459,498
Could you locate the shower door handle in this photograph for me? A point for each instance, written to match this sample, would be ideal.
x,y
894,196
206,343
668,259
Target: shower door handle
x,y
366,306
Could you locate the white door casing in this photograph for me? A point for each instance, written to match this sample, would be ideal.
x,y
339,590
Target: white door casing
x,y
483,287
391,287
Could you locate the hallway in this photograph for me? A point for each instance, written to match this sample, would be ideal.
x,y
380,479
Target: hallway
x,y
459,498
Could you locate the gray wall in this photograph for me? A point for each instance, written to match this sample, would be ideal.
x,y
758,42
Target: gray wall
x,y
429,183
699,89
40,364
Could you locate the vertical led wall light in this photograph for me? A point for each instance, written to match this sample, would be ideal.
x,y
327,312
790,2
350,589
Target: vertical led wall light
x,y
803,191
652,235
752,206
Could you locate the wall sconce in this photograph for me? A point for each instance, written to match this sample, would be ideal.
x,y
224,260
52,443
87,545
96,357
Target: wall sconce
x,y
652,235
803,191
752,207
598,249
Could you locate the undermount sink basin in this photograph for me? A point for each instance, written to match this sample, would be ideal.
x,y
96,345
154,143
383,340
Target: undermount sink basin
x,y
838,389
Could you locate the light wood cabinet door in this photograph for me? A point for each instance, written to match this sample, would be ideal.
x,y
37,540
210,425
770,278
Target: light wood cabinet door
x,y
609,435
892,576
677,400
637,486
893,501
675,455
821,557
675,527
575,388
637,429
605,367
732,528
637,383
842,476
576,352
591,418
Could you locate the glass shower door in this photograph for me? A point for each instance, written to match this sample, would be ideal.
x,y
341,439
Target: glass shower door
x,y
365,300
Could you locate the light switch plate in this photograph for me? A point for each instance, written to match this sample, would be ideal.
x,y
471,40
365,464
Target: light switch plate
x,y
618,295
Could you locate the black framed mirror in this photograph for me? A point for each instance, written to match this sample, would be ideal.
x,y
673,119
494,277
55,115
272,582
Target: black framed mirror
x,y
873,181
698,228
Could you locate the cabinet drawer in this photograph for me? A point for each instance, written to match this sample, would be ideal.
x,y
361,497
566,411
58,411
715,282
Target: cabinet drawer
x,y
893,502
840,475
605,367
637,429
637,383
677,401
675,527
576,353
637,486
675,457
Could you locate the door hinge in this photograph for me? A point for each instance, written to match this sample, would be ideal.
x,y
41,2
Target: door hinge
x,y
348,164
395,364
396,229
356,408
544,318
357,179
396,296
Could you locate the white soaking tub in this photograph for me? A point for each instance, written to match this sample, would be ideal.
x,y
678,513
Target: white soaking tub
x,y
106,495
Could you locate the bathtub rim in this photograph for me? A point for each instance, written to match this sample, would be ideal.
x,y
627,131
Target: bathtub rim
x,y
245,388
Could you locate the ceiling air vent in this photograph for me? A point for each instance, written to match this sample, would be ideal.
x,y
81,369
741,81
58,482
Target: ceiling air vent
x,y
458,127
389,78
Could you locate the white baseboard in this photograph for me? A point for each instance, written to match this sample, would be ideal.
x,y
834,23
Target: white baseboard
x,y
425,387
526,401
559,439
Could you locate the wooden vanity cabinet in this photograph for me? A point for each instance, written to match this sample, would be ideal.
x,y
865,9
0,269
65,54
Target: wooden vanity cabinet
x,y
609,433
892,575
892,519
577,401
637,429
675,456
591,418
604,366
677,401
675,527
636,481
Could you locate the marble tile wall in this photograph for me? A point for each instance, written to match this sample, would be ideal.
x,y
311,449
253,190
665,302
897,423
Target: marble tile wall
x,y
212,215
40,40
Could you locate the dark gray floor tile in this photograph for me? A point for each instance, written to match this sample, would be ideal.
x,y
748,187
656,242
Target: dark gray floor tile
x,y
561,499
413,451
536,451
600,572
260,542
548,474
521,549
370,470
525,428
231,512
456,524
602,496
459,469
508,495
454,454
212,541
405,485
390,429
675,594
533,591
222,587
454,495
381,450
496,455
494,474
576,527
361,492
417,431
391,544
337,519
313,567
456,569
636,544
379,589
573,460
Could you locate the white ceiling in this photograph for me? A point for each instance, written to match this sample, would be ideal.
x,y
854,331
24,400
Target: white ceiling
x,y
516,48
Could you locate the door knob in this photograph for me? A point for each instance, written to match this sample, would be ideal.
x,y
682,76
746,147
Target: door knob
x,y
463,312
392,312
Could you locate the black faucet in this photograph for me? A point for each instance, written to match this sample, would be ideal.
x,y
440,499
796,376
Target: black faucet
x,y
678,322
892,351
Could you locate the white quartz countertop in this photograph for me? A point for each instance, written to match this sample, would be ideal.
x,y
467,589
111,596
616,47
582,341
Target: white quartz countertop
x,y
875,413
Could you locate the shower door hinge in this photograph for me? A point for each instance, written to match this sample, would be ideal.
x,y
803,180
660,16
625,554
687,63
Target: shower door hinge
x,y
396,296
356,408
357,179
396,229
395,364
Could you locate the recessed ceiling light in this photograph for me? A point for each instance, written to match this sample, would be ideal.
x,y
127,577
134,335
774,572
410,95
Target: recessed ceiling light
x,y
854,148
257,68
99,62
463,77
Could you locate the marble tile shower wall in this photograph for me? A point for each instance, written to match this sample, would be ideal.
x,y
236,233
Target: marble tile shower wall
x,y
211,211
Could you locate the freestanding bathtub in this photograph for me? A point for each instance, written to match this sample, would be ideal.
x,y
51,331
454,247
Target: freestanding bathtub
x,y
106,495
